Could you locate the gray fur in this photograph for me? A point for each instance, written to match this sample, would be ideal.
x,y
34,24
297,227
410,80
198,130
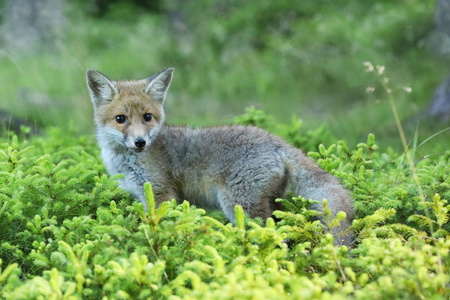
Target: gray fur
x,y
221,167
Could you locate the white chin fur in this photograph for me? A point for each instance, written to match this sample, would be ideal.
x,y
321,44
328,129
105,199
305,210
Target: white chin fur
x,y
138,150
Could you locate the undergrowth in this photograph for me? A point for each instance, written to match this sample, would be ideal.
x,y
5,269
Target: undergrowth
x,y
69,232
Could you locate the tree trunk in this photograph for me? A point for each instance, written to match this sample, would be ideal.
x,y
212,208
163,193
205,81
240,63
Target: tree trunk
x,y
439,107
31,25
439,43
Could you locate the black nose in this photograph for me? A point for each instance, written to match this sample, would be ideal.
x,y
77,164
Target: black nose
x,y
139,142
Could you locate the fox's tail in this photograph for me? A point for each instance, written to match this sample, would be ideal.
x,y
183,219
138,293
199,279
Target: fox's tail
x,y
308,180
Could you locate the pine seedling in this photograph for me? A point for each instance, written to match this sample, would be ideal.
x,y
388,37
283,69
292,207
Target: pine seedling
x,y
437,209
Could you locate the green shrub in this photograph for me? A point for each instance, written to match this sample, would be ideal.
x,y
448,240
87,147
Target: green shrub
x,y
69,232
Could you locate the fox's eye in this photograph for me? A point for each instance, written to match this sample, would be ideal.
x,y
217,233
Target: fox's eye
x,y
147,117
120,119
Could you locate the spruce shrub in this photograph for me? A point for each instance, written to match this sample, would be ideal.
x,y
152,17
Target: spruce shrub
x,y
69,232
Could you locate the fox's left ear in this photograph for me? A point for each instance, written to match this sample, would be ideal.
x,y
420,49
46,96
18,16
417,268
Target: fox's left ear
x,y
159,84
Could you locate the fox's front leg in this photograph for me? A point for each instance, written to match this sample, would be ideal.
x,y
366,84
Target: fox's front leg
x,y
160,195
253,207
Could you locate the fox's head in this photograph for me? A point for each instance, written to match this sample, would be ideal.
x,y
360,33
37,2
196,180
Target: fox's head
x,y
128,113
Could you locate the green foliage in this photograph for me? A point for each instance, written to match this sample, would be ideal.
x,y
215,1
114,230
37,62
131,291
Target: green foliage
x,y
439,210
118,8
39,191
382,180
286,57
68,232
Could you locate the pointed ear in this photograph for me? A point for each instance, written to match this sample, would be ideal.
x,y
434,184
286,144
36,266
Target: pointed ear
x,y
159,84
100,87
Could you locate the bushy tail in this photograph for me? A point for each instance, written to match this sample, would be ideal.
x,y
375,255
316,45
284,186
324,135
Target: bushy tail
x,y
308,180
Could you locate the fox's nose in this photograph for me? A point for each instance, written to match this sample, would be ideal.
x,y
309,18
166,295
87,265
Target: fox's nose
x,y
139,142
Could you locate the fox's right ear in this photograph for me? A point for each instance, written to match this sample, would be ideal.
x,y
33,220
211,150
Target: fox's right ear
x,y
100,87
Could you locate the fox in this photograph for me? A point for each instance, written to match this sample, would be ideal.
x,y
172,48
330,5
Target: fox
x,y
215,167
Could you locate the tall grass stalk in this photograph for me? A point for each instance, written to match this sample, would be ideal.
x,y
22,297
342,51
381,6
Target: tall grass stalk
x,y
384,84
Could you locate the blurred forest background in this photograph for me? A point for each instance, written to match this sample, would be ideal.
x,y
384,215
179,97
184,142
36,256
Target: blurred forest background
x,y
303,58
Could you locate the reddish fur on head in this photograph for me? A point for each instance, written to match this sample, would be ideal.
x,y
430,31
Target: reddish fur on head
x,y
133,103
131,100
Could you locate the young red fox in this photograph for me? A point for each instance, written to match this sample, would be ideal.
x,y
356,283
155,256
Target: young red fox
x,y
211,167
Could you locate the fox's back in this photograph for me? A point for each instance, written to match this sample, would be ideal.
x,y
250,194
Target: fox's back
x,y
218,146
204,159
